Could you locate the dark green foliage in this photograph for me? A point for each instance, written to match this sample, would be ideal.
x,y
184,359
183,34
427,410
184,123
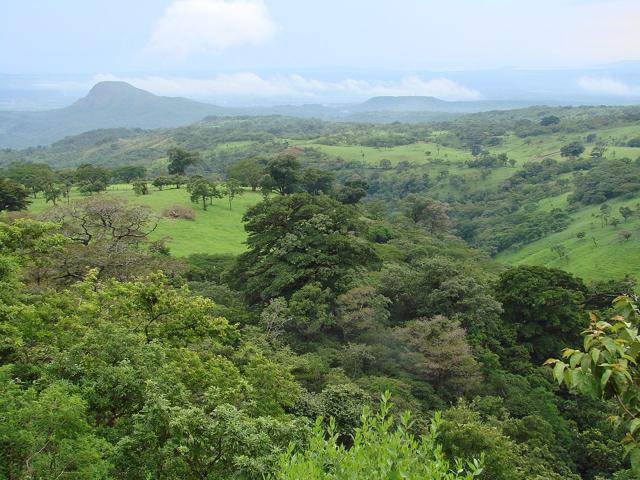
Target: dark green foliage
x,y
204,267
13,195
513,449
431,214
379,233
441,287
296,240
284,174
91,179
608,179
573,149
352,191
180,159
128,173
248,172
544,306
34,176
316,181
549,120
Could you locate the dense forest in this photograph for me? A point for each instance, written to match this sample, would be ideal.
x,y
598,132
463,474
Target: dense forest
x,y
366,331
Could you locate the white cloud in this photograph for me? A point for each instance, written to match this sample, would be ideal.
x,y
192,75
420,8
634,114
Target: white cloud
x,y
608,86
243,85
193,27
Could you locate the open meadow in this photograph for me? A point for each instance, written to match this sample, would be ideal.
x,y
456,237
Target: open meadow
x,y
217,230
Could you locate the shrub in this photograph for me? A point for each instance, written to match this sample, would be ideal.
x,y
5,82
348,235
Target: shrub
x,y
179,212
379,234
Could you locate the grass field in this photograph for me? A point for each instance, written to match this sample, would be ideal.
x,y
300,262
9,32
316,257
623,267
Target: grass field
x,y
607,257
218,230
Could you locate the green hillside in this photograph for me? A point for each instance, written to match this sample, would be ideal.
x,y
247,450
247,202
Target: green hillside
x,y
504,209
602,253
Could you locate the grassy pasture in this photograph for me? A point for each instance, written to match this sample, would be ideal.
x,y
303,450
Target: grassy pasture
x,y
218,230
607,257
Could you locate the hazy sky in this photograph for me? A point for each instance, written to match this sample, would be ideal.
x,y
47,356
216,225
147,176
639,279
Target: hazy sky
x,y
279,47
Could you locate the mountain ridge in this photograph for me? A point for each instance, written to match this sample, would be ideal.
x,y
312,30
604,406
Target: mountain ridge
x,y
117,104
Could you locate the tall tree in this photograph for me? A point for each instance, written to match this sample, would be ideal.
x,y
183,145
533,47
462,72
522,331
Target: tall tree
x,y
106,234
232,189
316,181
91,179
202,189
544,306
432,214
13,195
437,350
284,172
128,173
299,239
248,172
180,159
352,191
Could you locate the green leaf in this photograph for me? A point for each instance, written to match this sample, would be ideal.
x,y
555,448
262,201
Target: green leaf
x,y
575,359
609,345
558,371
633,426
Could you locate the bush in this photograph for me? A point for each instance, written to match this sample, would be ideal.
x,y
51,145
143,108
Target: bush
x,y
379,234
381,444
179,212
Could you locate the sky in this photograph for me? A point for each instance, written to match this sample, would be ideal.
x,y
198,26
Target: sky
x,y
317,49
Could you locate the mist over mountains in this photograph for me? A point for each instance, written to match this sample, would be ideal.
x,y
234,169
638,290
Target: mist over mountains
x,y
121,105
28,119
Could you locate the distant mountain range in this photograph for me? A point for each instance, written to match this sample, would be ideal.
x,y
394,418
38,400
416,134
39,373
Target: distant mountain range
x,y
121,105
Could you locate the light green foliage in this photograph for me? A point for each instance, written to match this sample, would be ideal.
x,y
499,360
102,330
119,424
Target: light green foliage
x,y
381,449
606,368
232,189
47,434
129,380
511,451
202,190
216,230
140,187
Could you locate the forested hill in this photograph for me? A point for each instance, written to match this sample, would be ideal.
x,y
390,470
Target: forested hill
x,y
516,182
108,105
120,105
188,303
